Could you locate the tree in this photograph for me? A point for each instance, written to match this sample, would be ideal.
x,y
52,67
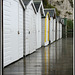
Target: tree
x,y
45,2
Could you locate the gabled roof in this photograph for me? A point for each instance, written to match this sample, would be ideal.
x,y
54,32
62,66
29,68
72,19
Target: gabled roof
x,y
51,11
37,5
26,2
37,0
21,1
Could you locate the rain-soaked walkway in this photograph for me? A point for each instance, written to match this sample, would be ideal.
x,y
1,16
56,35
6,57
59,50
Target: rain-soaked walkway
x,y
55,59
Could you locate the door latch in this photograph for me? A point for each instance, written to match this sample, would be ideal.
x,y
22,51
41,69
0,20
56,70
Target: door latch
x,y
29,32
18,32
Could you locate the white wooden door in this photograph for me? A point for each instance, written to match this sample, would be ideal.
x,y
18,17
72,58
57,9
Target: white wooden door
x,y
39,30
27,31
54,28
13,22
51,30
34,23
20,29
6,32
31,31
43,31
14,30
57,30
60,30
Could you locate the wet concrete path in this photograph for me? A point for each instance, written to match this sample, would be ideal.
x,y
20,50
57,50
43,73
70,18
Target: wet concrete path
x,y
55,59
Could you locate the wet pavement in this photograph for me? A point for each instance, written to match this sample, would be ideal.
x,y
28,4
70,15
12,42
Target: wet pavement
x,y
55,59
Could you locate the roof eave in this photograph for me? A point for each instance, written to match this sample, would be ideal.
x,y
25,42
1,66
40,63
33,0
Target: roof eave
x,y
41,6
22,4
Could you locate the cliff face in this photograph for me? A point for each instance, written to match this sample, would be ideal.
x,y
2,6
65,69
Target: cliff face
x,y
64,6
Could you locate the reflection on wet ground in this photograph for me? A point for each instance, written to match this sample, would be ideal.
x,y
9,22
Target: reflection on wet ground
x,y
55,59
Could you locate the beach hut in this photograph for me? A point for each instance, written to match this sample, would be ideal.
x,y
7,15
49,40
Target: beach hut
x,y
52,23
40,13
45,28
58,28
12,30
30,27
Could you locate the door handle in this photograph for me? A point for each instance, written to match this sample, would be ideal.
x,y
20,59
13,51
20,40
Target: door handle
x,y
18,32
29,32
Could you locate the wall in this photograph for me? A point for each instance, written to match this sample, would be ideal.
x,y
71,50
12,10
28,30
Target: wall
x,y
43,31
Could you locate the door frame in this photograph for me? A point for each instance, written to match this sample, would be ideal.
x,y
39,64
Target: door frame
x,y
1,38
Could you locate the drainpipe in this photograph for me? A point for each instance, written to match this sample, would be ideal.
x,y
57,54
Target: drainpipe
x,y
1,40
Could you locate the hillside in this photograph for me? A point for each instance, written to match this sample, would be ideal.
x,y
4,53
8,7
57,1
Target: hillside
x,y
64,6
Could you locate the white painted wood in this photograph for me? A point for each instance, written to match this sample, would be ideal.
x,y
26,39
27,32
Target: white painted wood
x,y
58,30
38,29
30,30
54,28
47,42
21,31
43,31
1,38
51,30
6,33
12,23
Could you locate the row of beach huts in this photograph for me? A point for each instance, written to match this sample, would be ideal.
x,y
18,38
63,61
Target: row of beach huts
x,y
27,26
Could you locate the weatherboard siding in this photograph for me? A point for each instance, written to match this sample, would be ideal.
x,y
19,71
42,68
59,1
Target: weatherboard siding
x,y
30,33
12,23
51,30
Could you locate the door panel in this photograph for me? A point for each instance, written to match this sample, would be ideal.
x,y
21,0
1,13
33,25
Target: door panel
x,y
6,32
14,31
20,46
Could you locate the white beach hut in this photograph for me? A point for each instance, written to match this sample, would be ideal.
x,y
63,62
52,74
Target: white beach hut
x,y
52,24
30,27
12,30
40,13
45,28
58,28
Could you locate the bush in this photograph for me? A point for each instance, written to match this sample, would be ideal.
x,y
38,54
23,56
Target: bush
x,y
46,5
69,24
68,12
50,6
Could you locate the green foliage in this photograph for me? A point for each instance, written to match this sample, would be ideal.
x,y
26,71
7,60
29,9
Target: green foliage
x,y
57,12
69,24
45,2
50,6
68,12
